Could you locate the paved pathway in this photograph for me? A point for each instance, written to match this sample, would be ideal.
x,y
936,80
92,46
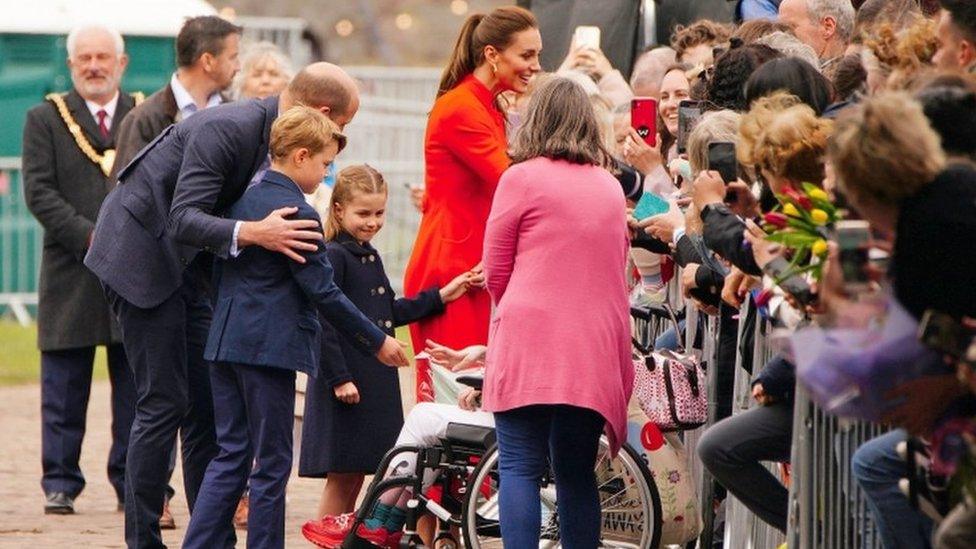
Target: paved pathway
x,y
96,522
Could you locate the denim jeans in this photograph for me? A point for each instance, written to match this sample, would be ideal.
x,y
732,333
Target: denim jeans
x,y
877,468
531,437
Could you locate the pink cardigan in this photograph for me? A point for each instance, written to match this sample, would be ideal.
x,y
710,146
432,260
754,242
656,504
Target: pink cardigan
x,y
555,256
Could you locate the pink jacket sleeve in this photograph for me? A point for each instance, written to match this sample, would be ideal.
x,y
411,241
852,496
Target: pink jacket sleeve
x,y
502,233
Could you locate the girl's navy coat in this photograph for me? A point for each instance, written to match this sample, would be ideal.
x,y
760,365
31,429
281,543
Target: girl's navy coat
x,y
352,438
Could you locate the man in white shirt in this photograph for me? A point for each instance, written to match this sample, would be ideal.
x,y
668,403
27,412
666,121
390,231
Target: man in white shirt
x,y
67,154
207,58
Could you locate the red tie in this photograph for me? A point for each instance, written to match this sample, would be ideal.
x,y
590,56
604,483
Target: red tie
x,y
101,123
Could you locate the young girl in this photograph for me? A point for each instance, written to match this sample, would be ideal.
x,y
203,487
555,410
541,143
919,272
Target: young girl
x,y
353,411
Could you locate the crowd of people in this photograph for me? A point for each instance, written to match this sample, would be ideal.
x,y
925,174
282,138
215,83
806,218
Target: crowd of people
x,y
203,235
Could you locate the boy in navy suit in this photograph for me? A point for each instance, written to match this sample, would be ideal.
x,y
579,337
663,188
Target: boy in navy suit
x,y
264,329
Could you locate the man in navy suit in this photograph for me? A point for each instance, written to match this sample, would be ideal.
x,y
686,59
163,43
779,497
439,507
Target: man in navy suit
x,y
153,248
253,373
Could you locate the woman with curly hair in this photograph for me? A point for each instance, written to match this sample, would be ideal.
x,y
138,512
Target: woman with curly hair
x,y
785,140
694,43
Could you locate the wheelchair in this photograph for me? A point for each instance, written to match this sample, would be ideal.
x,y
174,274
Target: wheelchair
x,y
466,463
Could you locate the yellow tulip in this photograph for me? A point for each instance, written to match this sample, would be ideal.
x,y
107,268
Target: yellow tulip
x,y
819,216
818,194
819,247
790,210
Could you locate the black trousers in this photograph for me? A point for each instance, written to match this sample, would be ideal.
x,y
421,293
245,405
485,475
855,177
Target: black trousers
x,y
732,449
66,377
165,349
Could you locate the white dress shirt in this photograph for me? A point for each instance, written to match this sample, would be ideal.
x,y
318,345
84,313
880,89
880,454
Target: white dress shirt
x,y
109,109
185,104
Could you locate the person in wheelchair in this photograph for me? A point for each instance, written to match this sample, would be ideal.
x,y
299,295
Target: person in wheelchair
x,y
425,426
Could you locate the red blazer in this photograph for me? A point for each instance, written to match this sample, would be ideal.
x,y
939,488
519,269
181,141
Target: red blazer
x,y
465,149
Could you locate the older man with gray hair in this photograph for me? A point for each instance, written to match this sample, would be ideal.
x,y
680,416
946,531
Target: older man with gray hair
x,y
827,26
68,152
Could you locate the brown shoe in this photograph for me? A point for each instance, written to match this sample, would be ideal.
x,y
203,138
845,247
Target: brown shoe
x,y
166,521
240,516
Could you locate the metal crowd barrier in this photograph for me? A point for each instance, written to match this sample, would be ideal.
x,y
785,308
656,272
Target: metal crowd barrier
x,y
827,508
743,529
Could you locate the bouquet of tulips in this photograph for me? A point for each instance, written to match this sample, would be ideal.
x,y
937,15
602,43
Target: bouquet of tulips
x,y
801,224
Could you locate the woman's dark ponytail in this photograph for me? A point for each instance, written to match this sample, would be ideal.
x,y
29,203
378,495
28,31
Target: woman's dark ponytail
x,y
462,61
495,29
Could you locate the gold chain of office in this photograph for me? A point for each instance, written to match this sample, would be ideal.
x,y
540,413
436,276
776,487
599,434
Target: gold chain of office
x,y
104,160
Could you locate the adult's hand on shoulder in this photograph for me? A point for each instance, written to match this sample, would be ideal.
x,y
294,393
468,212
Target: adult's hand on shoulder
x,y
279,234
392,353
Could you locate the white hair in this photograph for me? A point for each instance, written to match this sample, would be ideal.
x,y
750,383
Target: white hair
x,y
651,66
842,12
88,27
790,46
256,53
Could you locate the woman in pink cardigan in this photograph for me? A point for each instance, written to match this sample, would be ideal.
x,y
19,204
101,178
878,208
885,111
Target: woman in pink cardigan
x,y
558,370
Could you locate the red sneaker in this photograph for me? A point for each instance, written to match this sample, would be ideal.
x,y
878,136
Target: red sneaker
x,y
330,531
380,537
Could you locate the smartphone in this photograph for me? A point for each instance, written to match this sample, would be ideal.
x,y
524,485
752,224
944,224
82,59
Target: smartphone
x,y
586,36
643,118
689,112
721,158
853,241
945,334
800,289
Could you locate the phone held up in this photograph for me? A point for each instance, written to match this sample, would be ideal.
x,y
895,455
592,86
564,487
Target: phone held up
x,y
689,112
586,36
721,158
643,118
853,238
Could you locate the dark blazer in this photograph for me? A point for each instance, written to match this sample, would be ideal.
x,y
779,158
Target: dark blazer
x,y
142,125
724,234
167,206
266,302
64,190
338,437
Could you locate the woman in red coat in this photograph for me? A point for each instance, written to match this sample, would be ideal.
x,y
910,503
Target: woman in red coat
x,y
466,153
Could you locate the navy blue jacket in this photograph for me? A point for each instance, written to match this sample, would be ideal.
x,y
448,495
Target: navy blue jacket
x,y
168,203
266,303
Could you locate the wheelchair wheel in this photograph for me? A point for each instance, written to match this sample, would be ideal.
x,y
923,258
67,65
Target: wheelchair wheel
x,y
630,506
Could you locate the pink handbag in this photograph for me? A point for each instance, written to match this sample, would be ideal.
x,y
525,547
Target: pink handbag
x,y
670,388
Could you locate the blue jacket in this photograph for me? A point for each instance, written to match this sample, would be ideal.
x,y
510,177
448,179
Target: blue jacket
x,y
266,303
171,200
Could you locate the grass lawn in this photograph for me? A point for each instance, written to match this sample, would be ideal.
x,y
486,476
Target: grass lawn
x,y
20,361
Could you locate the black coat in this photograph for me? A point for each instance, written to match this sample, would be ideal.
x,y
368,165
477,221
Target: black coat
x,y
64,190
349,438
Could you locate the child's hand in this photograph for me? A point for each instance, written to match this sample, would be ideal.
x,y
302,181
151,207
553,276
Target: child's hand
x,y
469,357
347,393
456,288
469,399
392,353
477,276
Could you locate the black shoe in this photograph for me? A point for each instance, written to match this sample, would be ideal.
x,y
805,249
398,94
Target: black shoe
x,y
59,503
